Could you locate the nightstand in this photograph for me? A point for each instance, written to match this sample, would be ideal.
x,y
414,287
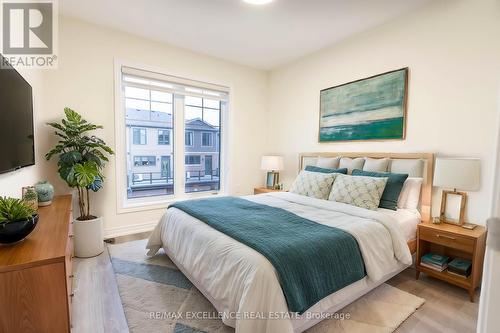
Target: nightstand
x,y
259,190
454,242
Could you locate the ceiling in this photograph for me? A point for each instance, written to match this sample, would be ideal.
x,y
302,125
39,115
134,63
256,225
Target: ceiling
x,y
258,36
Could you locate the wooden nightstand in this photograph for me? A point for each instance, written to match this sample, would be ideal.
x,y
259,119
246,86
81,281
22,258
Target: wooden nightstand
x,y
259,190
454,242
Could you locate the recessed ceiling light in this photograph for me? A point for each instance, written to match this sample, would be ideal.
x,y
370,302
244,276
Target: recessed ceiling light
x,y
258,2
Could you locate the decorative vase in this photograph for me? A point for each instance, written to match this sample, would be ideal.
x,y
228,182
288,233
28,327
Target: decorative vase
x,y
45,192
13,232
30,197
88,237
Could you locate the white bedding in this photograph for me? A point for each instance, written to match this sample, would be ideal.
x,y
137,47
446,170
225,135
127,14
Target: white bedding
x,y
408,219
239,281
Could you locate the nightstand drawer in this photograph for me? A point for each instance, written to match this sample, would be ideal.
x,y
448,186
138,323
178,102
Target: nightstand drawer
x,y
447,239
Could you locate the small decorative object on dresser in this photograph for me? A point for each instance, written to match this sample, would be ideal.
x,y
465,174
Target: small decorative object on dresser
x,y
30,197
81,159
272,164
259,190
452,254
456,173
45,192
17,220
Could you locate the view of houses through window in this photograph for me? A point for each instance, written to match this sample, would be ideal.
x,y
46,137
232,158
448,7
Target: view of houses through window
x,y
150,109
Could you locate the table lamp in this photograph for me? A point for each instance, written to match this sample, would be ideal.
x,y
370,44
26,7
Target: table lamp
x,y
272,164
456,173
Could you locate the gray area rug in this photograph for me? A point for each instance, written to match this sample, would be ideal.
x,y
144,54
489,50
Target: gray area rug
x,y
153,292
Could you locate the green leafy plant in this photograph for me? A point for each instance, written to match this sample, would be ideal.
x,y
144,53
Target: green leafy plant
x,y
81,157
12,210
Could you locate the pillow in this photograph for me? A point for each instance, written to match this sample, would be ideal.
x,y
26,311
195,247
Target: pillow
x,y
351,164
414,168
376,164
364,192
410,194
328,162
313,184
313,168
392,189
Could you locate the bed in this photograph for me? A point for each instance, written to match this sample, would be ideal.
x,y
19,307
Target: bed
x,y
243,285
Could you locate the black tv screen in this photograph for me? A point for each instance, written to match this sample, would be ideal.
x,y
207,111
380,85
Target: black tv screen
x,y
17,145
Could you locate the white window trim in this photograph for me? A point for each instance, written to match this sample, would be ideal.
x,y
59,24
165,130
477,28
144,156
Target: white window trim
x,y
125,205
192,154
169,137
145,136
192,139
211,139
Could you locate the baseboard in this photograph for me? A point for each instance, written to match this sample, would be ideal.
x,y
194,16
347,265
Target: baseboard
x,y
129,229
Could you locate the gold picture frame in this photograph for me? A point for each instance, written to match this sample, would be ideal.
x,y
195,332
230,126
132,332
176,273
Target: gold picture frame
x,y
453,213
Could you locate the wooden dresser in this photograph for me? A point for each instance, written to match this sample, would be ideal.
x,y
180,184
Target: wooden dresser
x,y
36,275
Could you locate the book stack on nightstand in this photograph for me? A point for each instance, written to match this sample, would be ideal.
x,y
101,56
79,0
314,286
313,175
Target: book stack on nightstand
x,y
435,261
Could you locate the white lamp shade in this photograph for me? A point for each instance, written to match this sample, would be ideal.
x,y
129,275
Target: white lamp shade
x,y
272,163
459,173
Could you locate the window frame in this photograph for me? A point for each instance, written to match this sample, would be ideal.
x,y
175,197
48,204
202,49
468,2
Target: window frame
x,y
168,135
134,128
192,138
211,143
125,205
192,155
141,157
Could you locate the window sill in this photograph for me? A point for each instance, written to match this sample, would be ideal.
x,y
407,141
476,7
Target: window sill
x,y
130,206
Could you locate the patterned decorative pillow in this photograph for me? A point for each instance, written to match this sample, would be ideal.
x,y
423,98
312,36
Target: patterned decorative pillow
x,y
360,191
313,184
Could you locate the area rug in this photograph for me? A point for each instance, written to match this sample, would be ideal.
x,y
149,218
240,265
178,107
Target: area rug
x,y
154,292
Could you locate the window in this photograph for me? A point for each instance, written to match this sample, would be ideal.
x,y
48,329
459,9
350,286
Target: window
x,y
192,159
188,138
139,136
144,161
206,139
151,102
163,137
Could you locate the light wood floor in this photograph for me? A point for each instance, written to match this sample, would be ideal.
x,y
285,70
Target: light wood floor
x,y
97,306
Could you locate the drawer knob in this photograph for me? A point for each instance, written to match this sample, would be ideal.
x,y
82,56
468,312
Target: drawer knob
x,y
72,294
445,236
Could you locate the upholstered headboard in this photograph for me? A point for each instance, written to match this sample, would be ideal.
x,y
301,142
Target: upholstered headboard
x,y
398,162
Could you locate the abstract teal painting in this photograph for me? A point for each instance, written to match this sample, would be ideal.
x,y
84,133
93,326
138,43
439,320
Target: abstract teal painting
x,y
368,109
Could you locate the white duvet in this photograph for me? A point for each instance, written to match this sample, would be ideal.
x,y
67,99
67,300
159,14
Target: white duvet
x,y
243,284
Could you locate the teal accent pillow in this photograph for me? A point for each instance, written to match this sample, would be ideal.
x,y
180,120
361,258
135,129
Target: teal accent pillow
x,y
313,168
392,189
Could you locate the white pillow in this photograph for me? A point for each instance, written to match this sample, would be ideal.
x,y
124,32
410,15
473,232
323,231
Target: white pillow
x,y
376,164
414,168
351,164
409,198
328,162
360,191
313,184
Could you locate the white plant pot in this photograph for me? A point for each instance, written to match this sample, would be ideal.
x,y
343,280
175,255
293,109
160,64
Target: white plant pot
x,y
88,238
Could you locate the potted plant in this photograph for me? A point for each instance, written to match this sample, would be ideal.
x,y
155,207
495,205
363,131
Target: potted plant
x,y
17,220
81,160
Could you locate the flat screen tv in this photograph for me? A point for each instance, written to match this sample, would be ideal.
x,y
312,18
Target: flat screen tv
x,y
17,145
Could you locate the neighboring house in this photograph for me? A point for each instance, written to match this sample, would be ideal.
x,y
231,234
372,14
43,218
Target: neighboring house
x,y
150,162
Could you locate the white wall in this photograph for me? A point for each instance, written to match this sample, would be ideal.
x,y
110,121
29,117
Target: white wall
x,y
84,82
453,52
11,183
